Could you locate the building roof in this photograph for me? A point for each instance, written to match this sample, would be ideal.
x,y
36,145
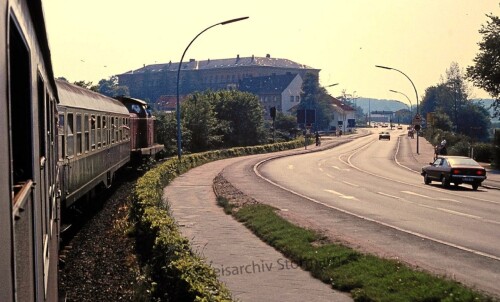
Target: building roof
x,y
340,104
273,84
222,63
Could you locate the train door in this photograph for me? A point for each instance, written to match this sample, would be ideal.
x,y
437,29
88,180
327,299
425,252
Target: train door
x,y
23,126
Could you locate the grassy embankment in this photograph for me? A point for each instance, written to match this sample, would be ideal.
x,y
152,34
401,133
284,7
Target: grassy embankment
x,y
366,277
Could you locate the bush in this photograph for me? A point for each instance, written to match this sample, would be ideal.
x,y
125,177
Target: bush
x,y
483,152
172,270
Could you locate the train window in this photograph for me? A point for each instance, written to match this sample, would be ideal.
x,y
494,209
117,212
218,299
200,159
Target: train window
x,y
21,119
86,122
70,139
105,136
79,142
99,134
61,144
93,122
113,127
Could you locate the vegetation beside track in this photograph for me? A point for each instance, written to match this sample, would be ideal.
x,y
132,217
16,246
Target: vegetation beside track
x,y
171,270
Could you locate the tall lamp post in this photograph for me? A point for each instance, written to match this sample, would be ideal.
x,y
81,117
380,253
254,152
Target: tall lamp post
x,y
411,105
177,107
416,94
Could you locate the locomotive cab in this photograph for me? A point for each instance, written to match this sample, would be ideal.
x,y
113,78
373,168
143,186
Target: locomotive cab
x,y
142,130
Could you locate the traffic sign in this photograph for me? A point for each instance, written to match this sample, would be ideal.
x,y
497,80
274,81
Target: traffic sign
x,y
417,120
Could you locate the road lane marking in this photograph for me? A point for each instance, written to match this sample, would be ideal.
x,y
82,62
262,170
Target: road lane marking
x,y
350,183
341,195
389,195
449,199
401,229
460,213
340,169
290,167
429,197
416,194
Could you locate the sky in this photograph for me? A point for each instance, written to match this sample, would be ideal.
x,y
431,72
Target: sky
x,y
95,39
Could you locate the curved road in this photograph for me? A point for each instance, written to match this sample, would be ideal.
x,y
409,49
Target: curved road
x,y
359,193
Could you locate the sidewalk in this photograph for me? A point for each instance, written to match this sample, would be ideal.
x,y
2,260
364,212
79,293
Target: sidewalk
x,y
416,161
252,270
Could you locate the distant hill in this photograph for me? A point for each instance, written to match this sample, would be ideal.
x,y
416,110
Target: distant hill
x,y
380,105
395,105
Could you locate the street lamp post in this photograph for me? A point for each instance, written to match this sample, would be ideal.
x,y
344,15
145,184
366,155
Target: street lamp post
x,y
411,105
177,107
416,94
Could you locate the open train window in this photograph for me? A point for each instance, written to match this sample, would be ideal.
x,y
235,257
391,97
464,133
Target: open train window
x,y
70,135
113,127
99,133
86,122
93,124
79,142
61,144
105,135
20,104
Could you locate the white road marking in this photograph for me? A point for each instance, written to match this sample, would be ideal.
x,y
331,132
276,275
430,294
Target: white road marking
x,y
459,213
290,167
389,195
449,199
341,195
350,183
340,169
416,194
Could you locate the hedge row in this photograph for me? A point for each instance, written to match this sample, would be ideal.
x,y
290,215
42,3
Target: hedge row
x,y
172,271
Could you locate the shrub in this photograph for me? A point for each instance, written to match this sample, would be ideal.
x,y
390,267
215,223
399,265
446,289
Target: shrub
x,y
172,270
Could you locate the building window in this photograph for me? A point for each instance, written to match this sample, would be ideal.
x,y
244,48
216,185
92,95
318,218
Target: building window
x,y
297,98
292,98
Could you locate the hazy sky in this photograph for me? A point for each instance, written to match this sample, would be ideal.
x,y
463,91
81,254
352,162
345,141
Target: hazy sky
x,y
95,39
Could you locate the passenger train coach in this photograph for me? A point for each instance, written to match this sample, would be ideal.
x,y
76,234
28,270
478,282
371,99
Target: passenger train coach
x,y
58,143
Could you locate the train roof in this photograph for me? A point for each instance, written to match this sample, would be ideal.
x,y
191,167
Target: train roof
x,y
78,97
131,100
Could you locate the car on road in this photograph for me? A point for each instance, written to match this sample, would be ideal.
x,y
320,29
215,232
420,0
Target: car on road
x,y
400,127
458,170
384,135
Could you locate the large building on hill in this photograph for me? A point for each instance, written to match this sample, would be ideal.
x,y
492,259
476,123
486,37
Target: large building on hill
x,y
159,81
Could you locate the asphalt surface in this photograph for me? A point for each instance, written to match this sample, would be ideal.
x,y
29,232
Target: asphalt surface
x,y
253,271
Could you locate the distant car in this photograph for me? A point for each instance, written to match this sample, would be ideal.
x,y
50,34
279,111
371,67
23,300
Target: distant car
x,y
384,135
454,169
400,127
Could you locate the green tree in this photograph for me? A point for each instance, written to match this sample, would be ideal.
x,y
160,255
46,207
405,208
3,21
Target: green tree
x,y
315,97
486,71
111,87
200,124
166,131
87,85
240,117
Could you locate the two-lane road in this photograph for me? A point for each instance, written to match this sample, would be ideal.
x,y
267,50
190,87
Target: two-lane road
x,y
363,179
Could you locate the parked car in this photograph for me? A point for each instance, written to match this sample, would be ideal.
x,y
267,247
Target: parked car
x,y
384,135
400,127
454,169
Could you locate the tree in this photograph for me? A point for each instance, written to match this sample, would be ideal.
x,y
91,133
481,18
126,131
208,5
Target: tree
x,y
200,124
240,117
486,71
87,85
111,87
315,97
166,131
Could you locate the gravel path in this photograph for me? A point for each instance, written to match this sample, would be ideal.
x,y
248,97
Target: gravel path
x,y
100,262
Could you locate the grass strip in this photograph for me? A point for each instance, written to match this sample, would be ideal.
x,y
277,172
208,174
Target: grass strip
x,y
366,277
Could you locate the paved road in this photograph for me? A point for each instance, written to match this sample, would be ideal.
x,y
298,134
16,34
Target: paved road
x,y
260,273
370,236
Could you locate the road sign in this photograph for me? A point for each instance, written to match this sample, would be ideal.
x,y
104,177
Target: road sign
x,y
417,120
